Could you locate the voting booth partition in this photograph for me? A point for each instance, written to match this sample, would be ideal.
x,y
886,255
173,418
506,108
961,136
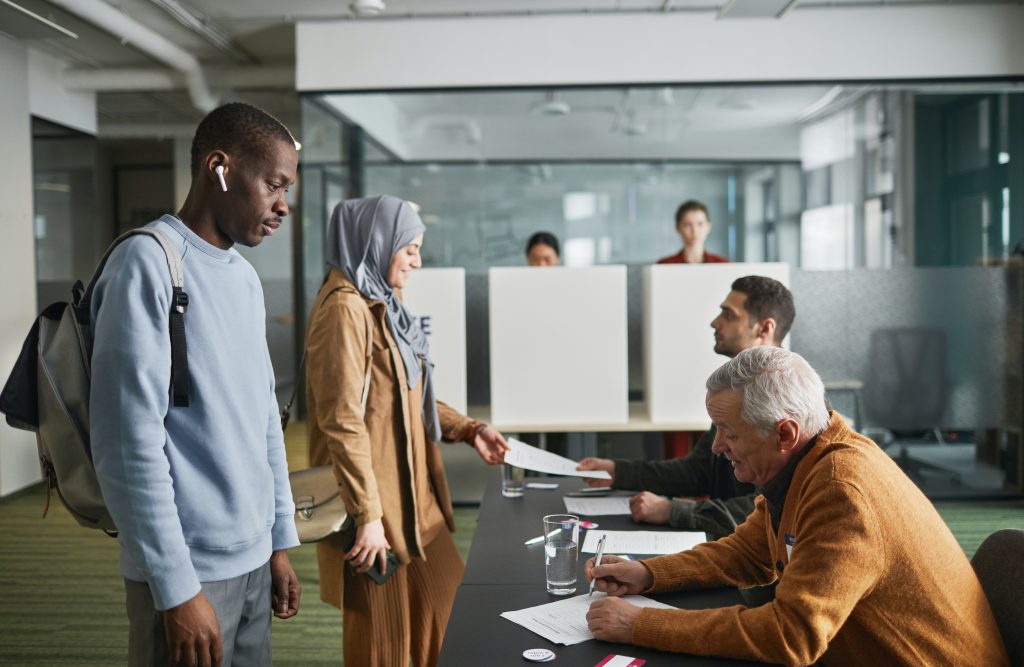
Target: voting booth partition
x,y
437,299
680,300
558,346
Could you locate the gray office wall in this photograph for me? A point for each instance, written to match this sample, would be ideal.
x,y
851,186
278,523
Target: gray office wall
x,y
837,311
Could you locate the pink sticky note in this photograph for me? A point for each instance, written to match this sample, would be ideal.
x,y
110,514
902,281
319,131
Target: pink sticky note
x,y
614,660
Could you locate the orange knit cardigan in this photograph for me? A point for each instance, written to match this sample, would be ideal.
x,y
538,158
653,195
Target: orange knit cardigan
x,y
872,575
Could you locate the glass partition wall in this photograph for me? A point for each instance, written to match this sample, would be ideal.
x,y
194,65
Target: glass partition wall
x,y
893,204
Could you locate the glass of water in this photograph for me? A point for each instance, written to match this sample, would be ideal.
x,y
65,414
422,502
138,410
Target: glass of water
x,y
561,546
513,481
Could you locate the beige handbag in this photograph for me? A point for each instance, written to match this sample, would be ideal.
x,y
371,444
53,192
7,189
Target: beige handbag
x,y
319,509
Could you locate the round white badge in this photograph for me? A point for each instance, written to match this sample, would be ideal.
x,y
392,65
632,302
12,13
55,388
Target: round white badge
x,y
539,655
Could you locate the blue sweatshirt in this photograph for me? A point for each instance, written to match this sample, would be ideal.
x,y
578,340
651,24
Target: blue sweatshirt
x,y
198,493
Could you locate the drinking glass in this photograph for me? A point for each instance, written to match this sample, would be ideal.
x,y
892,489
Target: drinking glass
x,y
513,481
561,546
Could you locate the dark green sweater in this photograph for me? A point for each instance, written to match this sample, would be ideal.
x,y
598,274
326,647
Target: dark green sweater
x,y
700,473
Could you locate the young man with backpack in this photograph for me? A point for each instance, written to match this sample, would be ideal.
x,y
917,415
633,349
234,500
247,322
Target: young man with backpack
x,y
199,493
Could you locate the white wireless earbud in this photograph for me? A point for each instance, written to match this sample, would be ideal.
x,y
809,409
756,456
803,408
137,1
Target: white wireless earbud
x,y
220,174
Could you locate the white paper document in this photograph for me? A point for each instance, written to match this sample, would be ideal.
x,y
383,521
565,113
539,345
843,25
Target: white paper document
x,y
565,621
642,541
529,457
597,506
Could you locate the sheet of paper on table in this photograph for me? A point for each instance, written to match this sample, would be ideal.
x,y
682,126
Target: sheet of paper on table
x,y
642,541
565,621
597,506
529,457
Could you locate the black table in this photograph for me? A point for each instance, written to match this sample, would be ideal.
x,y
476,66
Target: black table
x,y
498,555
502,575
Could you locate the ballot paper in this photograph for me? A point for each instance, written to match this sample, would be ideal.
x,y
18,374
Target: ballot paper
x,y
529,457
565,621
597,506
642,541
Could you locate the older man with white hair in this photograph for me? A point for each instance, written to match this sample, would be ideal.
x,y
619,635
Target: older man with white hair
x,y
867,571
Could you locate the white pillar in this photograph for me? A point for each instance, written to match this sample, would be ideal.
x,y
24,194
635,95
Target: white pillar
x,y
19,465
182,170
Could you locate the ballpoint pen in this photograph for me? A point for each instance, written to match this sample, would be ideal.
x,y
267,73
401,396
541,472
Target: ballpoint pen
x,y
597,562
539,538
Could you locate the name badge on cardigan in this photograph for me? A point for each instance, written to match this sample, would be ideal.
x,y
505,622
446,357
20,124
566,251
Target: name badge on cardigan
x,y
790,541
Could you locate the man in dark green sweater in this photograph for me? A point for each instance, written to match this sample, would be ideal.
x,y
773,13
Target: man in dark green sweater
x,y
758,311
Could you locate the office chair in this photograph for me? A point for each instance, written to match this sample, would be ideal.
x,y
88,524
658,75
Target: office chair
x,y
999,564
906,391
905,385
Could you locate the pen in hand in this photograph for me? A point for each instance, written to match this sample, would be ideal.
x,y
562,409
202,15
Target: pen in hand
x,y
597,562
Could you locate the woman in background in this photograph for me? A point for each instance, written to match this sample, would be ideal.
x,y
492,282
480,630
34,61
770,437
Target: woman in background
x,y
542,250
374,418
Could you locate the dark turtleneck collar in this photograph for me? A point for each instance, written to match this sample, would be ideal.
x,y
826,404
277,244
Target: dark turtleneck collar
x,y
776,488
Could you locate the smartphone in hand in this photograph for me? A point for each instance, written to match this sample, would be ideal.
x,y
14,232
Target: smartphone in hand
x,y
374,571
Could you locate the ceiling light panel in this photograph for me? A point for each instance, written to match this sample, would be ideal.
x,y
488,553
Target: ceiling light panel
x,y
21,23
755,9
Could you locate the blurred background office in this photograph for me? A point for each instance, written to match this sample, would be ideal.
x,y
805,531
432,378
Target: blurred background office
x,y
878,154
876,147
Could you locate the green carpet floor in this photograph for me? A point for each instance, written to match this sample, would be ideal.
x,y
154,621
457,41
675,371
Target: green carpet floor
x,y
63,600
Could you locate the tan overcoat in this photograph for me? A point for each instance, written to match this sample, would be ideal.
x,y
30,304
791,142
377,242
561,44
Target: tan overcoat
x,y
372,454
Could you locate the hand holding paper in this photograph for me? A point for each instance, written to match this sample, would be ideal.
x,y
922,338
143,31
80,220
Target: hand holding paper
x,y
529,457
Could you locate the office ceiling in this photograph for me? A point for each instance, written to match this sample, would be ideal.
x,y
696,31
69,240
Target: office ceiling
x,y
696,123
226,35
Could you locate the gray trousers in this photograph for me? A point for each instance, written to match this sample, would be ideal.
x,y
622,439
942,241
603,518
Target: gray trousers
x,y
243,610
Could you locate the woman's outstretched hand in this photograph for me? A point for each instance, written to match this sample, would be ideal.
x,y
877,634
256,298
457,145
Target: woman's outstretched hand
x,y
490,445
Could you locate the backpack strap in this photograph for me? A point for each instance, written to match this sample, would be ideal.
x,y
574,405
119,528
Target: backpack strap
x,y
179,304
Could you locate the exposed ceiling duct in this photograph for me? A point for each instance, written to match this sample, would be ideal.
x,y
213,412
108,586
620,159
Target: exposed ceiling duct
x,y
148,41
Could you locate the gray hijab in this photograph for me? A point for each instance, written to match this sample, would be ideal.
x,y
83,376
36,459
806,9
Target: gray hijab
x,y
363,236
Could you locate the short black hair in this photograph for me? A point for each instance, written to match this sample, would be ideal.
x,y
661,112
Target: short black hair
x,y
236,127
689,206
767,297
545,238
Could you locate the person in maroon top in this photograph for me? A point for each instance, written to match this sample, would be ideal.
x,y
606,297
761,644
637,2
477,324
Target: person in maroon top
x,y
693,224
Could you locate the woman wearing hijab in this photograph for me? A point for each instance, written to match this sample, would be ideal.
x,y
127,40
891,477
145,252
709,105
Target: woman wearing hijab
x,y
374,418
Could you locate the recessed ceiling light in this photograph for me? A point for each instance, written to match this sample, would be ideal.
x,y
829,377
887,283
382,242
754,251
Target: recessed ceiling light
x,y
551,106
367,7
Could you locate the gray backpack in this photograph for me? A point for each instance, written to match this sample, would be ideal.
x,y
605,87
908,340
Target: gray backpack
x,y
48,390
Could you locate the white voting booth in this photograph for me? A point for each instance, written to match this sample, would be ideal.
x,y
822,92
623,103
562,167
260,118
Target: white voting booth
x,y
437,298
680,300
558,346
